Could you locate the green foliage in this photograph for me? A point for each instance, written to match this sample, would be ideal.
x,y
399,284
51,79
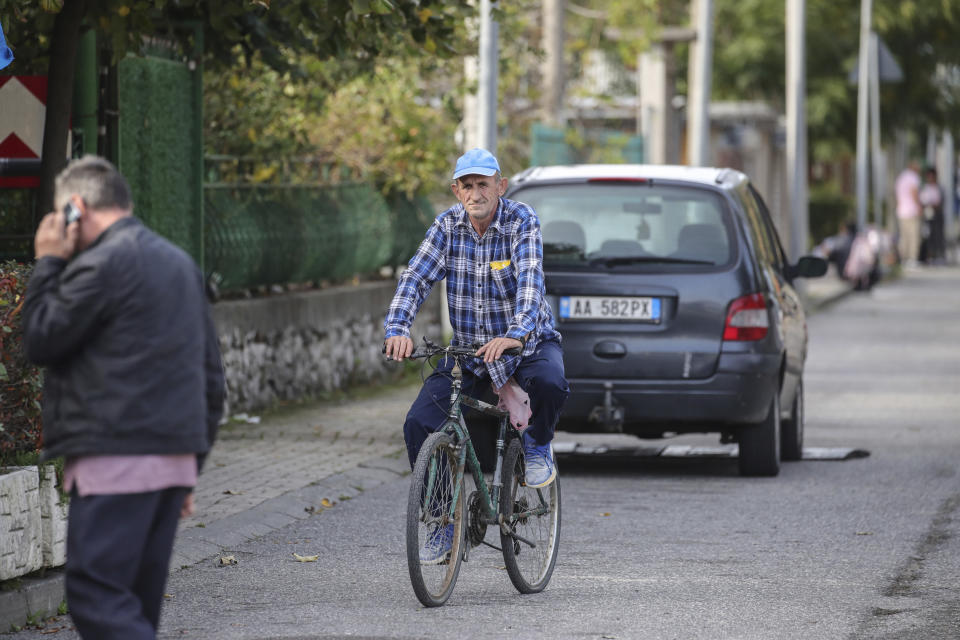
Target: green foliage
x,y
395,125
17,223
393,122
357,30
20,382
829,210
749,63
622,28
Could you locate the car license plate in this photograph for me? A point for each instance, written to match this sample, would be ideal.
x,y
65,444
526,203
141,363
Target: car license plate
x,y
609,308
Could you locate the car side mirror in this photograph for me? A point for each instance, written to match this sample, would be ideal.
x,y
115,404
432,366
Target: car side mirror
x,y
807,267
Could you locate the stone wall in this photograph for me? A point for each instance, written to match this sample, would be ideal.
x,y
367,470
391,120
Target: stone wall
x,y
33,522
296,345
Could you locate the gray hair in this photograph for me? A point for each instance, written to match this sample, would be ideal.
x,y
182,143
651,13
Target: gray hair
x,y
96,181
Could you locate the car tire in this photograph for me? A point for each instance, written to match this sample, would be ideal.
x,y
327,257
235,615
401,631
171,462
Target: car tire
x,y
791,429
760,444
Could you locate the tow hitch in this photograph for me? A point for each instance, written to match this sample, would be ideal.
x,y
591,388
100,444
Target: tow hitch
x,y
609,415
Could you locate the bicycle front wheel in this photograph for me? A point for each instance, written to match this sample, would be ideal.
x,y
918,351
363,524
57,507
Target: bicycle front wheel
x,y
435,521
534,517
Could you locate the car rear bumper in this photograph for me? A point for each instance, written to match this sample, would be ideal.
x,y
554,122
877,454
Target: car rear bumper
x,y
738,393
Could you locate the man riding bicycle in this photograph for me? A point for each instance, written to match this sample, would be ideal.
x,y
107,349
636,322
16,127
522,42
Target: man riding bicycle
x,y
490,251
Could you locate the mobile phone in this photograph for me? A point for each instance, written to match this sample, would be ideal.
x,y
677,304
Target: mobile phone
x,y
71,212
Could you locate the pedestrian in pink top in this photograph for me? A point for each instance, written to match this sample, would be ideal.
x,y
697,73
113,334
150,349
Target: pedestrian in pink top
x,y
907,191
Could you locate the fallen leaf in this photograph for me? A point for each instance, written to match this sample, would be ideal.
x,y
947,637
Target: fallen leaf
x,y
605,514
301,558
864,533
226,560
231,492
326,503
167,596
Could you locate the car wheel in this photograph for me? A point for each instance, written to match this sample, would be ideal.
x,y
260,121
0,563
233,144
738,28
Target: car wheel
x,y
791,429
760,444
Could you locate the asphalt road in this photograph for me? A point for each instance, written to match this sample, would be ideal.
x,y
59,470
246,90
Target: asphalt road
x,y
866,548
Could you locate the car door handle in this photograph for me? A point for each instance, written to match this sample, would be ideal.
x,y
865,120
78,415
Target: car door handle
x,y
610,349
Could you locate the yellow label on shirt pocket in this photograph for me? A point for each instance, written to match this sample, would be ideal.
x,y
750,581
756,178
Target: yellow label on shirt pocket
x,y
497,265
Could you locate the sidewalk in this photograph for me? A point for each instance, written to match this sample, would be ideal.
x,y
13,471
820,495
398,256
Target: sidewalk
x,y
262,475
817,292
295,463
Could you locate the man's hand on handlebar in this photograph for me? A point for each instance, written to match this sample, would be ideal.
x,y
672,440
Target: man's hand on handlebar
x,y
495,348
398,347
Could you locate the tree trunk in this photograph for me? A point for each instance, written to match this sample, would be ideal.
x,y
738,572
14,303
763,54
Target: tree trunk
x,y
56,126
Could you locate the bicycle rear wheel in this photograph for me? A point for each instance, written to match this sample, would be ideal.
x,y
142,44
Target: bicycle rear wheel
x,y
432,494
534,515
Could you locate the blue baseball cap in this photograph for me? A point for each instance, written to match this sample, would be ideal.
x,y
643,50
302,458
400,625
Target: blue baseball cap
x,y
476,162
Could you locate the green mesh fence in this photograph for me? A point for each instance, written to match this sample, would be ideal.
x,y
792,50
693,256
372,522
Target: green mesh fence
x,y
263,235
159,147
249,234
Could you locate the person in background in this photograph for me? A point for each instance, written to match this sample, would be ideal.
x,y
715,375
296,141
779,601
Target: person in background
x,y
907,191
133,393
931,199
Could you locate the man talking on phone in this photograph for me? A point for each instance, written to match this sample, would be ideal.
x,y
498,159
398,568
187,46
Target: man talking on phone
x,y
133,393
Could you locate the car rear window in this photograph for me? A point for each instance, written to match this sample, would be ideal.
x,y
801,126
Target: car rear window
x,y
636,226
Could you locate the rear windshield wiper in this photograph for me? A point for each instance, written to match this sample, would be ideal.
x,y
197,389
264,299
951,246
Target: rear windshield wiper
x,y
615,261
561,247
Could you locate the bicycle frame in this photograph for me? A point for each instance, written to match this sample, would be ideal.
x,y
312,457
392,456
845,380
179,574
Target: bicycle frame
x,y
456,426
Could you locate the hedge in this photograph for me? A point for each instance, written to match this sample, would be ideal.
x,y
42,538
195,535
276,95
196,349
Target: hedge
x,y
20,382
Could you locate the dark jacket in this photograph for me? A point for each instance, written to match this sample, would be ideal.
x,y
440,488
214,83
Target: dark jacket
x,y
131,354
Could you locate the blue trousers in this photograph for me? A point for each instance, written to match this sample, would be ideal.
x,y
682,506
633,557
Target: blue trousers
x,y
118,559
540,374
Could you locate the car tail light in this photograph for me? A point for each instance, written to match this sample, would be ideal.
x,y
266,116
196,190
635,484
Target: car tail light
x,y
747,318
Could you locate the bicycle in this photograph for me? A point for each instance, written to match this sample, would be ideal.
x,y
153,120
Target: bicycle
x,y
528,519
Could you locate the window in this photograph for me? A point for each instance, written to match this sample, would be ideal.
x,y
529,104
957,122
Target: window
x,y
645,226
780,256
756,224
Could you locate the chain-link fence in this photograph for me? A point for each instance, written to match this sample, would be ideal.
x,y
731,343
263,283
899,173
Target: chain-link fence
x,y
277,233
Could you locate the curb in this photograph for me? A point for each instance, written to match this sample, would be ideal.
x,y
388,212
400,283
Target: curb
x,y
36,596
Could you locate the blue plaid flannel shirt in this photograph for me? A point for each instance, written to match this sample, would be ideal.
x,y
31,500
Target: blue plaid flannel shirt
x,y
494,283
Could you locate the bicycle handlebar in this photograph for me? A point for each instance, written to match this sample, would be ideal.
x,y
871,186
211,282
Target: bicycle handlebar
x,y
429,349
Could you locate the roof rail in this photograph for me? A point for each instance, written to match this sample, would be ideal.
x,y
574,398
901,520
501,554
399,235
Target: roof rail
x,y
724,175
523,175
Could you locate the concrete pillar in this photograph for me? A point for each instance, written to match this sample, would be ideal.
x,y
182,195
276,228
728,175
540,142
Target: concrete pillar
x,y
552,69
698,103
797,128
487,87
654,102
